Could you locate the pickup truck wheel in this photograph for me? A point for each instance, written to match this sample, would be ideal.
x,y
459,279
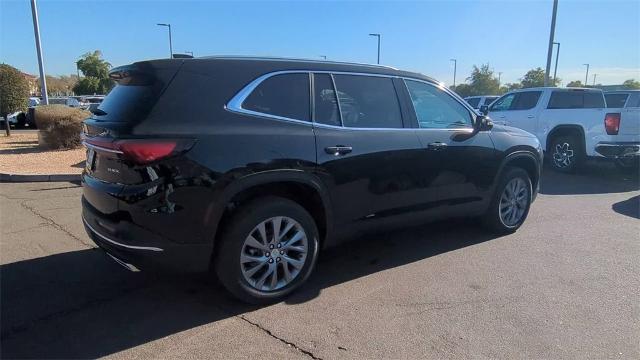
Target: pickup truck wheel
x,y
566,154
269,249
511,201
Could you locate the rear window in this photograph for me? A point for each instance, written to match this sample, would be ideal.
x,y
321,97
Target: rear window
x,y
126,103
576,100
473,102
285,95
525,100
616,100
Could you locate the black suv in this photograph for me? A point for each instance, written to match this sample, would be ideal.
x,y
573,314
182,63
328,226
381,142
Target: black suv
x,y
251,165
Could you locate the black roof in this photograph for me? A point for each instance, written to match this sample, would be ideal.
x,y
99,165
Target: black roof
x,y
271,64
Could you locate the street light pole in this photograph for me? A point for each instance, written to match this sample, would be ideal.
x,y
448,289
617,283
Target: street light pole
x,y
455,68
499,79
594,79
586,76
170,44
378,36
36,31
550,49
555,71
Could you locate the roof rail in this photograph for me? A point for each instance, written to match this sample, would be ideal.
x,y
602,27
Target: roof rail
x,y
242,57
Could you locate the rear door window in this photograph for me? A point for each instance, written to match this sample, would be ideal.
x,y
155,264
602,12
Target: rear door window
x,y
489,100
616,100
525,100
368,101
474,102
285,95
325,101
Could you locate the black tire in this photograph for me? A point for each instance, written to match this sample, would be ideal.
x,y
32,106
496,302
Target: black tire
x,y
566,153
21,121
492,219
227,258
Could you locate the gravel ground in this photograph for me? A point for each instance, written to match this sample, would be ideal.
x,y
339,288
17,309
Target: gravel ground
x,y
20,154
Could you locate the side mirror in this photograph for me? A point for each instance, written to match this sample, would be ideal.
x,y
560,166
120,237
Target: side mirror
x,y
483,123
484,109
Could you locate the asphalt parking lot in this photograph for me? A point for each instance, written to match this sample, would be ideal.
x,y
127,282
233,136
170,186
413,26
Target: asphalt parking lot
x,y
566,285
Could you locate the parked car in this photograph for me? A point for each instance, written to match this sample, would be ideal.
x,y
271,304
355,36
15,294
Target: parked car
x,y
77,102
628,101
571,123
252,165
477,101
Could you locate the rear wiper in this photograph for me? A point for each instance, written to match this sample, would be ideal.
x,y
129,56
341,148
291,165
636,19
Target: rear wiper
x,y
98,112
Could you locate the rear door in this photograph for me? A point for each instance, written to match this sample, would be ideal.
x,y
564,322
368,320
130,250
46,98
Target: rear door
x,y
499,110
366,155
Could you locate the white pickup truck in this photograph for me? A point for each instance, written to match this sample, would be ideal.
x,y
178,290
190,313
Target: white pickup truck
x,y
571,124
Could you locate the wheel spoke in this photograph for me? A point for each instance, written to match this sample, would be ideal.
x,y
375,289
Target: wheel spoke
x,y
261,280
295,263
263,233
254,269
277,221
245,258
254,243
287,274
274,277
290,224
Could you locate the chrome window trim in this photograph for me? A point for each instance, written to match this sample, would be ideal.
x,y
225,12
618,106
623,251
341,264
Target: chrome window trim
x,y
150,248
235,104
335,93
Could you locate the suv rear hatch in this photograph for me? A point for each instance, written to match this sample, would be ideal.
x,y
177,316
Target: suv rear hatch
x,y
114,155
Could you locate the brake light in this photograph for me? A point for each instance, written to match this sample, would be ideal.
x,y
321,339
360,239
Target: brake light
x,y
141,151
612,123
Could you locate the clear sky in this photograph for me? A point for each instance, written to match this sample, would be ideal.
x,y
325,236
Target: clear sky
x,y
511,36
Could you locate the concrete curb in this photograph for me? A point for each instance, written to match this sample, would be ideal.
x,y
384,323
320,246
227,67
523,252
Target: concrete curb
x,y
38,178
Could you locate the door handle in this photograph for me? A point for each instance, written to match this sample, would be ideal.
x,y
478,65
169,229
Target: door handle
x,y
436,146
529,116
338,150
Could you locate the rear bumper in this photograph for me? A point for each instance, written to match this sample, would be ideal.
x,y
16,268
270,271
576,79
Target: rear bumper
x,y
138,249
617,150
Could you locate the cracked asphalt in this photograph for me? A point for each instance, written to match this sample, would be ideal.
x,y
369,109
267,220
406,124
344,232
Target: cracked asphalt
x,y
566,285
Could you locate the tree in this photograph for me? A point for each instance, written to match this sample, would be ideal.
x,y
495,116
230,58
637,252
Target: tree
x,y
509,87
482,81
60,85
96,72
535,78
14,92
631,84
575,83
463,90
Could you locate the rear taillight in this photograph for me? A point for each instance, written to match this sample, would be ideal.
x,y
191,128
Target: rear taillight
x,y
612,123
141,151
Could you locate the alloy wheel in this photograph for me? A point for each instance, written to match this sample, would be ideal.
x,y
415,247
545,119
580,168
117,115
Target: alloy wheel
x,y
514,201
562,155
274,253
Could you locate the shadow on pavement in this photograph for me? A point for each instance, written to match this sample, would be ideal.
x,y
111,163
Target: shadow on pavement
x,y
82,305
630,207
594,177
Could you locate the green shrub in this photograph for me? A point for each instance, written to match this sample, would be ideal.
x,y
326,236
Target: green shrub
x,y
60,125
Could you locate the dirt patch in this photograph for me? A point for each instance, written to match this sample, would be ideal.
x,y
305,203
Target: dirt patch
x,y
20,154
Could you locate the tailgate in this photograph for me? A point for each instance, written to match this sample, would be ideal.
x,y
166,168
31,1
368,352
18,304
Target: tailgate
x,y
630,121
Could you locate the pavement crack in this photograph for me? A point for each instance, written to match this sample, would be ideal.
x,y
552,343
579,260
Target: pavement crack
x,y
50,222
288,343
